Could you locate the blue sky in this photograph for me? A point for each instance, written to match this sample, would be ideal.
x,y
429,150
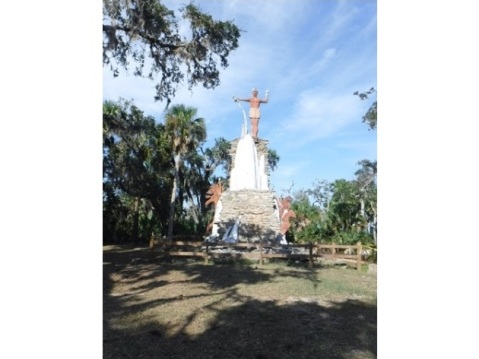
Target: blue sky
x,y
311,56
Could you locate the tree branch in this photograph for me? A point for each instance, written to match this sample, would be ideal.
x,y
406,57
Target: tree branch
x,y
111,30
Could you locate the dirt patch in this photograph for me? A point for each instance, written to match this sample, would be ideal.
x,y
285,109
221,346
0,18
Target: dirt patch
x,y
186,309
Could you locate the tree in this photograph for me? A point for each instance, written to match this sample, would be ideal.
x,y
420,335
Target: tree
x,y
185,133
371,116
217,156
322,193
344,209
367,174
136,175
273,159
366,179
144,36
308,226
139,173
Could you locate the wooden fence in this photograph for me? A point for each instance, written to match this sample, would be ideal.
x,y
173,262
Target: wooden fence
x,y
349,253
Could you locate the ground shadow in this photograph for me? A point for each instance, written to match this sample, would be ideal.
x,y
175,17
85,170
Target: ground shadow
x,y
251,329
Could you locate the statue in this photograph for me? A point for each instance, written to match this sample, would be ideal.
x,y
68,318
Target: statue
x,y
285,224
284,205
254,112
213,196
214,193
285,215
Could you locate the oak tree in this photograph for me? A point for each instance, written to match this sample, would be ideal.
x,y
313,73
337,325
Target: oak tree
x,y
144,36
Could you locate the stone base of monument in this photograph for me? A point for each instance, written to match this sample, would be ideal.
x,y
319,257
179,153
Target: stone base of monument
x,y
256,211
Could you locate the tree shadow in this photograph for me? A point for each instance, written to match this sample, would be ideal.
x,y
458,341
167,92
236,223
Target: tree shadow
x,y
249,328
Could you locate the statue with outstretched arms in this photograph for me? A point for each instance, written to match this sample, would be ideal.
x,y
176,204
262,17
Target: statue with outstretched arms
x,y
254,111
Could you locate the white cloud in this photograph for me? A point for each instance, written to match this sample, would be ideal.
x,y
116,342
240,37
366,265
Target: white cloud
x,y
266,16
337,21
328,55
317,114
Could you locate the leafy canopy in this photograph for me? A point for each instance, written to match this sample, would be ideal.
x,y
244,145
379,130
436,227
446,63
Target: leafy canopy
x,y
144,36
371,116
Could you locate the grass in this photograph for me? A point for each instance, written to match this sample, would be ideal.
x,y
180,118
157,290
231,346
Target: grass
x,y
187,309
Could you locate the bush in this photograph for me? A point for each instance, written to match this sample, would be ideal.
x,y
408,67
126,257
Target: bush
x,y
352,237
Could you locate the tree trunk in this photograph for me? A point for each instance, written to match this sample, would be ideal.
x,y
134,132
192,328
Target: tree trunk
x,y
173,198
192,207
136,216
363,213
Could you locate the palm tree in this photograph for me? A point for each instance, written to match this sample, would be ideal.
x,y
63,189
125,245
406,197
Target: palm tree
x,y
185,133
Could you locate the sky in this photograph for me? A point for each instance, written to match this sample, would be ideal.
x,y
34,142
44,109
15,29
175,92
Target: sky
x,y
311,56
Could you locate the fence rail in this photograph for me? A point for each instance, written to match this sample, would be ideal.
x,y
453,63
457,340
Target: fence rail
x,y
350,253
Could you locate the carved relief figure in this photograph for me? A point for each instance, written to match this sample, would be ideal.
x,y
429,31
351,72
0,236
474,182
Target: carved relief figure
x,y
214,193
285,213
213,196
285,221
284,204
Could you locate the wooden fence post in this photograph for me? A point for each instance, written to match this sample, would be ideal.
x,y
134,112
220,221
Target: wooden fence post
x,y
152,247
166,249
206,254
310,254
333,249
260,252
152,241
358,260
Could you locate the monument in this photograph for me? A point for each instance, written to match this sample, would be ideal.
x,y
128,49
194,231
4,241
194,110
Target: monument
x,y
249,211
